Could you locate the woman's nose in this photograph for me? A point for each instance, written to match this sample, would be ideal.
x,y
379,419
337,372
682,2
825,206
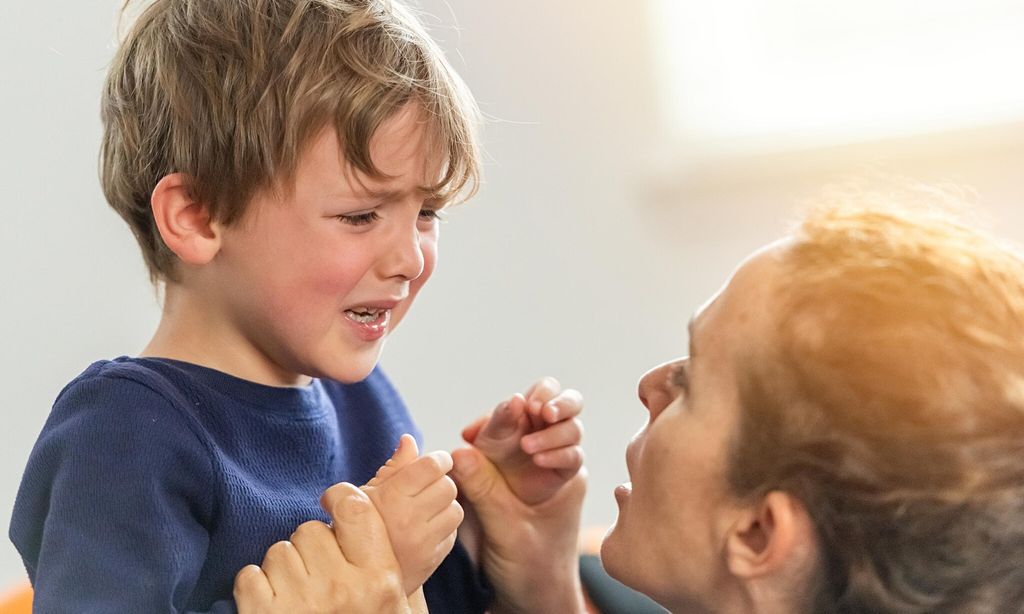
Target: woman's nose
x,y
653,389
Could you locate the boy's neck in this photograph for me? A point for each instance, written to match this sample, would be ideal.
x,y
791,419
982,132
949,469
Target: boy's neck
x,y
196,331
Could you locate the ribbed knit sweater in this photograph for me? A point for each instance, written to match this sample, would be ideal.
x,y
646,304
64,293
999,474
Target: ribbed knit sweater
x,y
154,481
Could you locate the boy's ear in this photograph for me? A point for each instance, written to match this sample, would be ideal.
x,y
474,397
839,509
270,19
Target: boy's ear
x,y
773,537
184,223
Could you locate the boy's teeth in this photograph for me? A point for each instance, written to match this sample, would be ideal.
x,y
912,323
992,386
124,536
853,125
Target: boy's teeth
x,y
363,314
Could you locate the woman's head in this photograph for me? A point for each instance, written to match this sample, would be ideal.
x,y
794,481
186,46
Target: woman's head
x,y
863,387
890,402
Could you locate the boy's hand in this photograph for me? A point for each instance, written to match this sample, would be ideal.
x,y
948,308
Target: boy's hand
x,y
533,440
416,499
349,567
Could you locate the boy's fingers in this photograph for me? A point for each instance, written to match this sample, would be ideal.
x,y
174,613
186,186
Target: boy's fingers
x,y
436,497
542,391
421,473
568,404
557,435
252,588
567,460
447,520
437,529
360,530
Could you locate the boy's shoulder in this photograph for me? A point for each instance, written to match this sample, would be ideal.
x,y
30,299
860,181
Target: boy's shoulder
x,y
137,382
122,400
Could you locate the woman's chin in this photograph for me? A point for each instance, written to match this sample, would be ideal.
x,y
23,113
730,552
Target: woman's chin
x,y
614,551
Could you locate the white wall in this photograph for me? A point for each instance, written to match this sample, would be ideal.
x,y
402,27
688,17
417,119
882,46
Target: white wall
x,y
576,260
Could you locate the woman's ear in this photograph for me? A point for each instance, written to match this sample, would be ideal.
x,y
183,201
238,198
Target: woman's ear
x,y
774,537
184,224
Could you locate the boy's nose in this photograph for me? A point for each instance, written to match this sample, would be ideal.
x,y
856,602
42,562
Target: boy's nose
x,y
654,390
405,255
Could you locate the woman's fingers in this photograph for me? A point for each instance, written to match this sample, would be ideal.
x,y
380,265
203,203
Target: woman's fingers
x,y
359,529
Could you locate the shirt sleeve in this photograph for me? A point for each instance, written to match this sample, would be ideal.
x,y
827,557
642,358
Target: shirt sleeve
x,y
112,509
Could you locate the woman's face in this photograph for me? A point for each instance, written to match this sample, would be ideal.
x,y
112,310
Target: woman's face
x,y
674,515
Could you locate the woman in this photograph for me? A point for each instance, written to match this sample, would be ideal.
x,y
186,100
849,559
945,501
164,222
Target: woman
x,y
846,434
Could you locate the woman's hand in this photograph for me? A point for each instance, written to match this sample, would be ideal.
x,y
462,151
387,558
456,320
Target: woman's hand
x,y
348,566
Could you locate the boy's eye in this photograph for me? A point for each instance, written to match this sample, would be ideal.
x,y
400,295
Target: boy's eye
x,y
359,219
430,214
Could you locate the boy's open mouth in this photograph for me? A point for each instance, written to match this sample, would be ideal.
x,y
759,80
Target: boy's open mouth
x,y
367,315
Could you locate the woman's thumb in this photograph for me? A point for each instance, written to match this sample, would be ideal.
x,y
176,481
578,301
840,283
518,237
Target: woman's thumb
x,y
479,481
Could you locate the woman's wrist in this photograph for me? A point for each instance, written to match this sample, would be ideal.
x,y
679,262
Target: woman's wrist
x,y
560,593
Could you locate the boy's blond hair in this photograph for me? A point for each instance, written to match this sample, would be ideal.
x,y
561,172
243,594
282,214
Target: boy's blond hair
x,y
230,93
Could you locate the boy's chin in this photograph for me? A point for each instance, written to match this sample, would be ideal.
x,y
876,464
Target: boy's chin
x,y
354,369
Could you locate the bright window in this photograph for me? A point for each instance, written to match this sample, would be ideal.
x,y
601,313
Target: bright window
x,y
749,75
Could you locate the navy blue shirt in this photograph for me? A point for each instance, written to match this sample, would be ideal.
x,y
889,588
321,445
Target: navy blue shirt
x,y
155,481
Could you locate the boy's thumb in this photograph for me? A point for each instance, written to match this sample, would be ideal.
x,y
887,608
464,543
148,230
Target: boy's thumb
x,y
406,452
479,481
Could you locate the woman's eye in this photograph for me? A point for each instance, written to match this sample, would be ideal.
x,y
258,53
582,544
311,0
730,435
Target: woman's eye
x,y
679,377
359,219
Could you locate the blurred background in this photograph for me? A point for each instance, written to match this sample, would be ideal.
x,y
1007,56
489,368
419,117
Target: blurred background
x,y
636,151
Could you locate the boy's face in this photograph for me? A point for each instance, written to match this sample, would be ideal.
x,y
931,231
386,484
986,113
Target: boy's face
x,y
312,282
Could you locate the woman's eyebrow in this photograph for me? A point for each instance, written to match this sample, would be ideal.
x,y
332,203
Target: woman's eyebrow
x,y
679,376
689,331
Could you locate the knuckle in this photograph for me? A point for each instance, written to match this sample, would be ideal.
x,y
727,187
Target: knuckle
x,y
334,495
307,529
459,514
456,514
277,553
246,577
339,591
404,525
450,488
384,583
391,582
439,462
447,545
378,494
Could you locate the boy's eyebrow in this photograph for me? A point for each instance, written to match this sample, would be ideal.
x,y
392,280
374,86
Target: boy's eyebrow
x,y
385,194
